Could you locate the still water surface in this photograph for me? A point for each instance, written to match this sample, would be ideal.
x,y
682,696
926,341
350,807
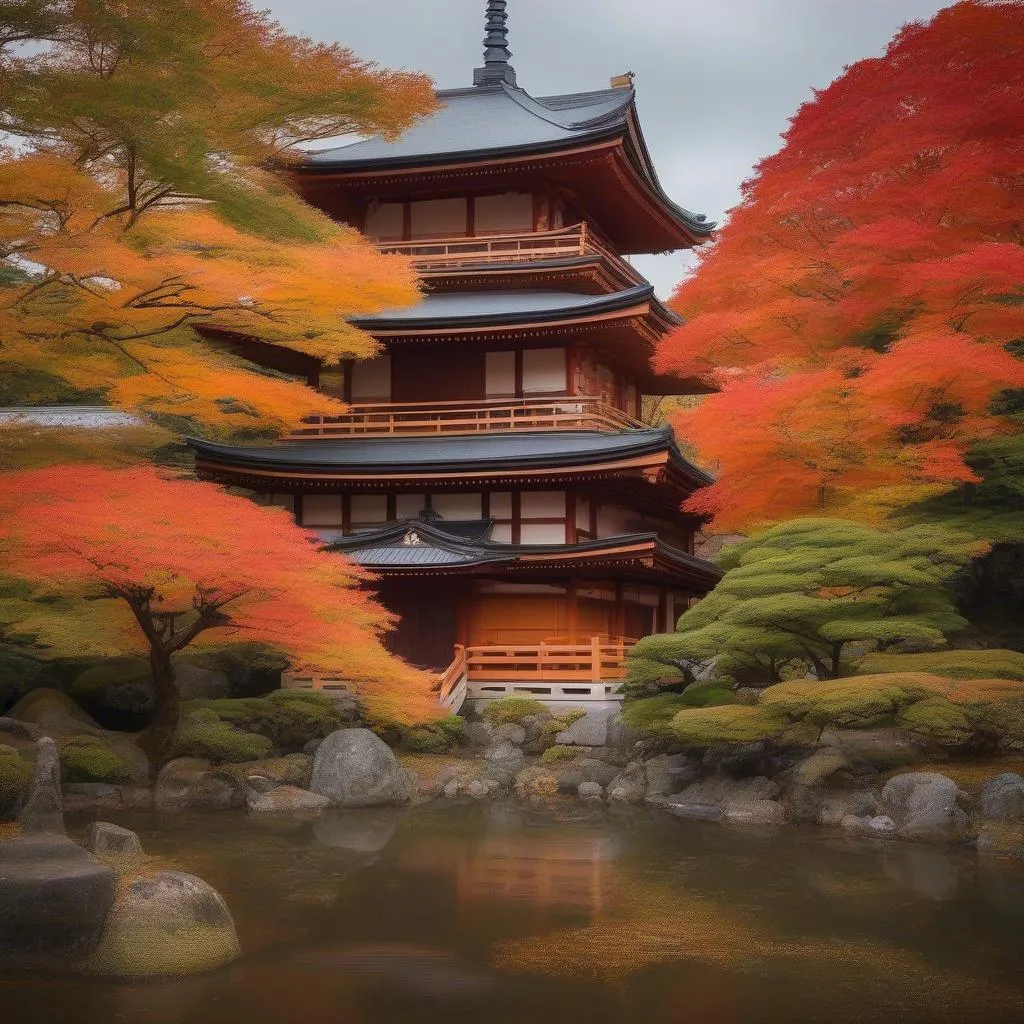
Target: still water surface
x,y
499,916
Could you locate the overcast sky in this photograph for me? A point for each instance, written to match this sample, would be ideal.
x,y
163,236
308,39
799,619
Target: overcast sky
x,y
716,81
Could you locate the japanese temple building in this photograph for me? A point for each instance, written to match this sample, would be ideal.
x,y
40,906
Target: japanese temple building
x,y
493,468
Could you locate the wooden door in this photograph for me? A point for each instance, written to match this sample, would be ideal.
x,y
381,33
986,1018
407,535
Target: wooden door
x,y
428,622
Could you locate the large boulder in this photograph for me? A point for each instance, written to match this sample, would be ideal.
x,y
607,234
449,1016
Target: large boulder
x,y
669,773
111,840
511,731
505,756
54,898
885,747
589,731
285,800
817,769
594,770
355,768
924,805
164,924
751,801
1002,798
190,783
43,810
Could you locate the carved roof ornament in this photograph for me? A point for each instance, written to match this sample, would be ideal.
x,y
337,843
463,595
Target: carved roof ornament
x,y
496,69
412,539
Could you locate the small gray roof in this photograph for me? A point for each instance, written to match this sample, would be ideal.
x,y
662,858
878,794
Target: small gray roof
x,y
476,120
503,307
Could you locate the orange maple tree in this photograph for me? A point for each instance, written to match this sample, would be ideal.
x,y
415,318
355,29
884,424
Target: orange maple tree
x,y
855,313
179,559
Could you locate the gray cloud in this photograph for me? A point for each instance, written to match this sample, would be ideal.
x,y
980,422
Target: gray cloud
x,y
716,82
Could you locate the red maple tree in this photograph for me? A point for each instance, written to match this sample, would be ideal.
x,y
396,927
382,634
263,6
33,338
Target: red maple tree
x,y
179,559
854,313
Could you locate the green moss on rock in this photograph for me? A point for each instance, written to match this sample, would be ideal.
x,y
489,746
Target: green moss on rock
x,y
652,715
88,759
558,754
202,733
513,709
705,727
711,694
937,719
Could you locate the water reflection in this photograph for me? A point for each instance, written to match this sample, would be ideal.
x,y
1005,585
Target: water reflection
x,y
499,916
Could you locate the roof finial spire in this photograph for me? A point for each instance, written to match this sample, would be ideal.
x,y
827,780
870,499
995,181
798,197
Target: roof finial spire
x,y
497,68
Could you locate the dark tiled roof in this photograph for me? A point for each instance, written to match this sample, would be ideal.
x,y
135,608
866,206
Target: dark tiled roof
x,y
503,307
536,450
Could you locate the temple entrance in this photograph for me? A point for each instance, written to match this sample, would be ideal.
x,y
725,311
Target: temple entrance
x,y
428,617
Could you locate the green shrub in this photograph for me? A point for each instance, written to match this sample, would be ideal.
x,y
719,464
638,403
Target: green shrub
x,y
652,715
710,694
706,727
556,754
289,719
15,773
937,719
513,709
202,733
985,664
421,740
452,726
88,759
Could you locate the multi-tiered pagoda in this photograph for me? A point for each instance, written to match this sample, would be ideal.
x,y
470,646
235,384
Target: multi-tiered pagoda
x,y
493,468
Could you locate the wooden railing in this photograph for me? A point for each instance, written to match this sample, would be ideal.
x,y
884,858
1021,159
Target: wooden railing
x,y
452,682
314,679
499,414
595,660
440,253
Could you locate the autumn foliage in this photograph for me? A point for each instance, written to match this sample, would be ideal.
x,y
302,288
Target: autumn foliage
x,y
856,313
142,200
178,559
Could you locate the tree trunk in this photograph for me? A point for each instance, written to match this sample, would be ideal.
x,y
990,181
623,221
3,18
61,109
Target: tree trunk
x,y
837,653
158,737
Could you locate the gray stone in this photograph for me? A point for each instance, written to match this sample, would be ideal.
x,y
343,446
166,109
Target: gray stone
x,y
590,792
193,682
754,812
477,790
569,778
820,767
743,801
1001,839
105,838
260,783
597,771
98,796
924,806
311,747
1002,798
884,748
54,898
190,783
878,827
355,768
533,726
621,737
285,800
506,756
479,734
834,807
511,731
669,773
11,727
164,924
589,731
629,786
43,811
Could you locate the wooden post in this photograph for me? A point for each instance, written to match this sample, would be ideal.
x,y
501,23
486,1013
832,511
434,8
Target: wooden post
x,y
595,659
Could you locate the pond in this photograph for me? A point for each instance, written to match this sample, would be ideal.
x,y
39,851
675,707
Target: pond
x,y
499,915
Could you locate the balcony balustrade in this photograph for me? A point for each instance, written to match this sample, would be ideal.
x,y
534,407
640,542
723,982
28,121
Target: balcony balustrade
x,y
501,414
447,253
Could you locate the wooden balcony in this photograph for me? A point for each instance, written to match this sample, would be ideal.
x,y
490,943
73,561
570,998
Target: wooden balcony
x,y
580,412
448,253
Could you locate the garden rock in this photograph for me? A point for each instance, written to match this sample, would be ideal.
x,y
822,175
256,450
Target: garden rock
x,y
621,736
285,800
669,773
601,772
924,806
1001,839
11,728
506,757
479,734
164,924
1002,798
536,784
589,731
877,827
102,797
590,792
355,768
629,786
883,748
744,801
54,898
43,811
511,731
190,783
820,767
102,837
